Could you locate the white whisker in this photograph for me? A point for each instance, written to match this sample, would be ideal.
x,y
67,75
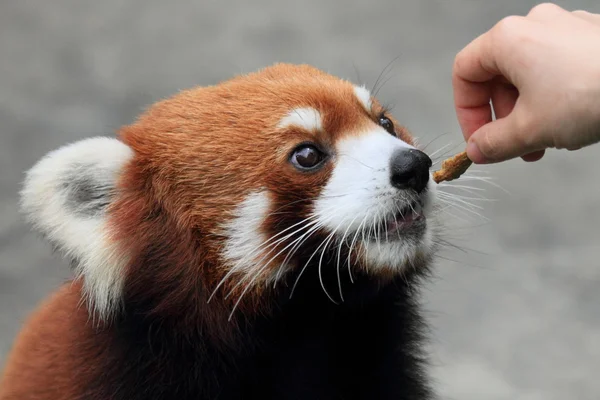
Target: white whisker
x,y
465,209
321,260
315,228
453,185
432,155
255,251
450,197
485,180
342,241
433,140
303,238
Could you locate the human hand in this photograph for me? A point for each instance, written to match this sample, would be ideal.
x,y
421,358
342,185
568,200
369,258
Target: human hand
x,y
542,75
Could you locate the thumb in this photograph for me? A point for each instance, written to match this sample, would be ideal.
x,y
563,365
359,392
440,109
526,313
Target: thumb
x,y
499,140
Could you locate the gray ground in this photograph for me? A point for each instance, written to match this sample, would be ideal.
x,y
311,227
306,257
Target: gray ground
x,y
515,317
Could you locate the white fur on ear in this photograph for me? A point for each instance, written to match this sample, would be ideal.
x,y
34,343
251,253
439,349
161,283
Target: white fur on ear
x,y
364,96
65,197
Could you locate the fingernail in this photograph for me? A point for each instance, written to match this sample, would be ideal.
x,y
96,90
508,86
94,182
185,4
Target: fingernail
x,y
474,153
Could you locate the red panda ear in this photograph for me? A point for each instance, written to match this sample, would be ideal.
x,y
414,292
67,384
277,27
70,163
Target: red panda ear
x,y
65,197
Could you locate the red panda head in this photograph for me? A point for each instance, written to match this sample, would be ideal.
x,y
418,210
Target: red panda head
x,y
221,192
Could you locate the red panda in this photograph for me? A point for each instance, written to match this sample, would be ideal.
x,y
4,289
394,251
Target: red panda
x,y
263,238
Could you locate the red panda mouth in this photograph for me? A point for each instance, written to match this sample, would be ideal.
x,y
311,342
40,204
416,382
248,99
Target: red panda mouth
x,y
406,216
409,220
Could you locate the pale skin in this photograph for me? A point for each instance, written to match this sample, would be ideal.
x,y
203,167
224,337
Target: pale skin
x,y
540,74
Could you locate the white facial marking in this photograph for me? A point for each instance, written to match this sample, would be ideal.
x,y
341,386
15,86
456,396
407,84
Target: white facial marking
x,y
363,95
306,118
244,248
65,196
359,194
362,170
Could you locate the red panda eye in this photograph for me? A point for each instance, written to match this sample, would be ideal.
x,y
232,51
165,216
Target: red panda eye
x,y
387,124
307,157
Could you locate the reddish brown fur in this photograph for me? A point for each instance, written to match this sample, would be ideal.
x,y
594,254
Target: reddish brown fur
x,y
174,196
44,363
176,177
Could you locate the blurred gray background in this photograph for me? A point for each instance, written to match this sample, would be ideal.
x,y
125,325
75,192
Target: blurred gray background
x,y
514,316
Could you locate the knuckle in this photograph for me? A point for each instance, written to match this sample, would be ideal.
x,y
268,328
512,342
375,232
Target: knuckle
x,y
458,62
506,28
586,15
461,62
506,23
544,9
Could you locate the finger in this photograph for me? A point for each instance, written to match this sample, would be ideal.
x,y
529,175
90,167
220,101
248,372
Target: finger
x,y
499,141
471,119
587,16
472,92
474,67
504,97
535,156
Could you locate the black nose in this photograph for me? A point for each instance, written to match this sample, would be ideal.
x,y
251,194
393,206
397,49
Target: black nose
x,y
410,169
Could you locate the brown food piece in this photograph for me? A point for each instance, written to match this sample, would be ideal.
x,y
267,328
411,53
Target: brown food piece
x,y
452,168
